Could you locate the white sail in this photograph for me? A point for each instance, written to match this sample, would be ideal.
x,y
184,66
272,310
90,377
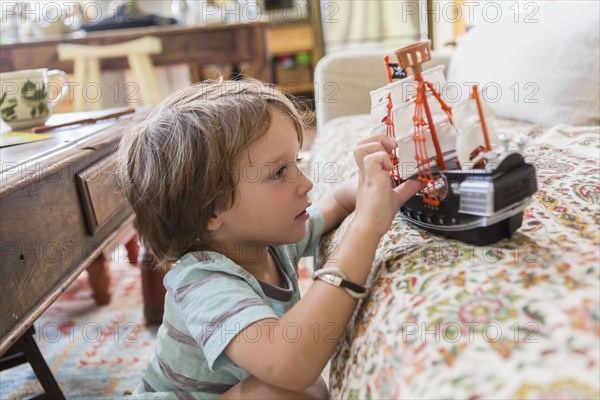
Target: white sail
x,y
405,89
379,102
466,120
403,94
404,132
460,140
402,91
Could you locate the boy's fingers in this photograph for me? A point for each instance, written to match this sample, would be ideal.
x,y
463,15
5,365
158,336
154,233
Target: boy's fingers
x,y
377,161
407,190
365,149
387,142
373,138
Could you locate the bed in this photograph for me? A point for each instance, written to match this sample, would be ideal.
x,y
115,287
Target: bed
x,y
516,319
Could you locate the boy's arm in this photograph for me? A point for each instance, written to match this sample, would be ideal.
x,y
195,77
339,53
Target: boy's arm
x,y
292,352
336,206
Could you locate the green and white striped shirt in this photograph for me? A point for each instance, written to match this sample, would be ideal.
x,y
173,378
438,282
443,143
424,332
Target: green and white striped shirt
x,y
210,299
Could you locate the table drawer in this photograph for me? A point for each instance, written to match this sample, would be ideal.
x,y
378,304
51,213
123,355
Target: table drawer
x,y
101,200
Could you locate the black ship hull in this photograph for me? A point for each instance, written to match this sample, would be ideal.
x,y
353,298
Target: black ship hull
x,y
478,207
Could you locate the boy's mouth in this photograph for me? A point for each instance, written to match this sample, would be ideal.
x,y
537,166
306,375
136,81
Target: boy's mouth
x,y
303,214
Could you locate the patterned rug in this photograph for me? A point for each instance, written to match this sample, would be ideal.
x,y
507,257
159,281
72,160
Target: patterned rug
x,y
94,352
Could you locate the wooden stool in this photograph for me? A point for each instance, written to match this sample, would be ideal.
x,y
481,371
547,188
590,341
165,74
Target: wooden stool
x,y
25,350
87,67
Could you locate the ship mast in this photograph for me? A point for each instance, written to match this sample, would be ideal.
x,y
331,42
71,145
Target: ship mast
x,y
390,129
413,57
484,130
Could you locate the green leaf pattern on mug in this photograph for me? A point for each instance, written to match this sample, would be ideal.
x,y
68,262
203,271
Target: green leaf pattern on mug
x,y
8,112
34,98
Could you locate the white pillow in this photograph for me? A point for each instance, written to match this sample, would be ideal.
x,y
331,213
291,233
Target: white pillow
x,y
545,68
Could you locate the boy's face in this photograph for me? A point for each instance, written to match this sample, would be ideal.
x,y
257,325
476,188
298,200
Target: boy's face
x,y
272,194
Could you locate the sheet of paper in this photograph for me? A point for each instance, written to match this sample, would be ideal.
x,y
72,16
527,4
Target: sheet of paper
x,y
13,138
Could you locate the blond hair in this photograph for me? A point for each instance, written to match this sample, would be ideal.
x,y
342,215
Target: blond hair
x,y
178,166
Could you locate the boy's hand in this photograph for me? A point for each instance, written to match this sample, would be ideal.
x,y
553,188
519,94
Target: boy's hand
x,y
377,202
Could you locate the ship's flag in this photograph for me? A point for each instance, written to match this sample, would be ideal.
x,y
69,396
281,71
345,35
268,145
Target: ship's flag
x,y
397,71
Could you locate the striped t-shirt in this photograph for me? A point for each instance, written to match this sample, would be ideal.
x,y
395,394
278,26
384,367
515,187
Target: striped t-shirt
x,y
210,299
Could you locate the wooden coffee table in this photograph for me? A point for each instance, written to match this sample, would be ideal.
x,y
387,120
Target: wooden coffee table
x,y
59,210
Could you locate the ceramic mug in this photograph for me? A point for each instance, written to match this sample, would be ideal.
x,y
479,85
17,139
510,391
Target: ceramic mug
x,y
24,98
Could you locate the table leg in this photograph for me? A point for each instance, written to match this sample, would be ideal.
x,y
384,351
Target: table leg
x,y
153,289
133,250
99,279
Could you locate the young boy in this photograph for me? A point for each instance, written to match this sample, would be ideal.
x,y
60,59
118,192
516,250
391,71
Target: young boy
x,y
213,178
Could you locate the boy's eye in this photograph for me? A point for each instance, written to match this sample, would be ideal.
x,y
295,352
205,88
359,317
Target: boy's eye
x,y
278,173
280,170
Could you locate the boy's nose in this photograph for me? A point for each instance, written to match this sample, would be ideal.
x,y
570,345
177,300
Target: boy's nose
x,y
305,184
309,182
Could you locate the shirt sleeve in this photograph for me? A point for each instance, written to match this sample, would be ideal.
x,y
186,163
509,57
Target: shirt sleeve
x,y
308,246
217,306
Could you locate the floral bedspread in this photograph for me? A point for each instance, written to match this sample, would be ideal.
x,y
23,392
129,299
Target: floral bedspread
x,y
517,319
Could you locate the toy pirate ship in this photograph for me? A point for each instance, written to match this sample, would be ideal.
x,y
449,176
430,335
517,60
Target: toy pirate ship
x,y
474,185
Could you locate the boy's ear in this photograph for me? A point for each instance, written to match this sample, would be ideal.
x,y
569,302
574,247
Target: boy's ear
x,y
215,222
